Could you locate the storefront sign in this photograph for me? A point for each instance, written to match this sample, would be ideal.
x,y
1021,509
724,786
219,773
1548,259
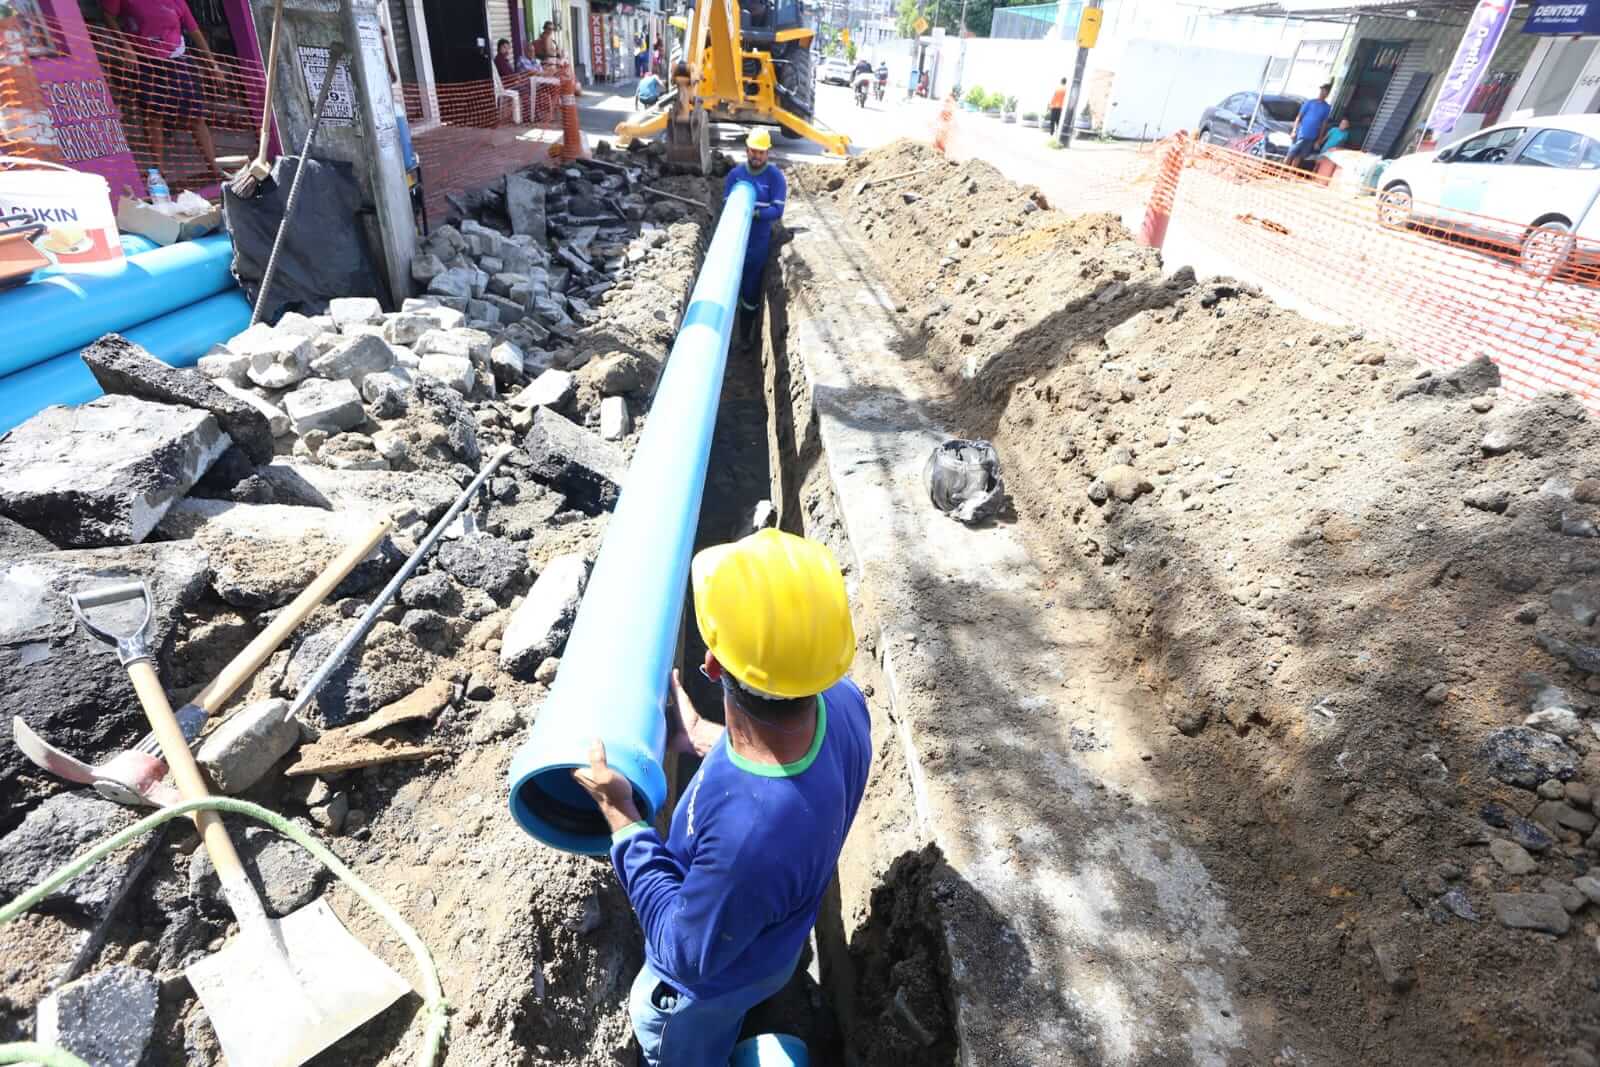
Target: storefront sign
x,y
86,121
597,45
1564,18
1483,32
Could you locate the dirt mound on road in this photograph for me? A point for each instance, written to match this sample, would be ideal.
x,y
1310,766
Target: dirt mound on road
x,y
1345,583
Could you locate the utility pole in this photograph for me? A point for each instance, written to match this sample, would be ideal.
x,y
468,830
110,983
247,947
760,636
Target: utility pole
x,y
961,55
1088,33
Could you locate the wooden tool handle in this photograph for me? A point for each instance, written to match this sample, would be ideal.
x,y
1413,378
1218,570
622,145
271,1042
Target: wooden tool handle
x,y
191,786
253,655
272,79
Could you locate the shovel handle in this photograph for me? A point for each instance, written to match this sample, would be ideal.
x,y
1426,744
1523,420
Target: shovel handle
x,y
252,656
191,786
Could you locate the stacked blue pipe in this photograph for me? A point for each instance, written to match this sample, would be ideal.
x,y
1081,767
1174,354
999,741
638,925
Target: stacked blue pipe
x,y
176,301
613,678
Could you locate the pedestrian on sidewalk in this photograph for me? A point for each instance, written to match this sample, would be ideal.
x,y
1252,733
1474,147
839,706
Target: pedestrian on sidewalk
x,y
1308,127
728,899
771,193
1058,103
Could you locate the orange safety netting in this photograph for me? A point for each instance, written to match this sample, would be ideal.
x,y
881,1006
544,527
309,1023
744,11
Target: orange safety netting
x,y
1441,285
174,114
487,128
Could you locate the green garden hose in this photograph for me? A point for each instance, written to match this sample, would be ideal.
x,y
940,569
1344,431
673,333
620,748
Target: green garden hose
x,y
435,1009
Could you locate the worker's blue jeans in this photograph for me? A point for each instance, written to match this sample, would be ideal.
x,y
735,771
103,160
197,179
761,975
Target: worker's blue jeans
x,y
675,1030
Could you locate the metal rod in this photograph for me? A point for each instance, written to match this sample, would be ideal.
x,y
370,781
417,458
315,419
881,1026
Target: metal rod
x,y
369,618
674,196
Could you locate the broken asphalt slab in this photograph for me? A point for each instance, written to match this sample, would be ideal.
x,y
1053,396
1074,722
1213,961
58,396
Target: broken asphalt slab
x,y
105,472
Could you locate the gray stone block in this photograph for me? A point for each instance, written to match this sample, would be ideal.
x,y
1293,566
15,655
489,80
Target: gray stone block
x,y
525,205
387,391
540,625
615,422
482,561
105,472
277,360
223,364
455,371
329,406
277,418
240,751
354,359
407,327
354,311
122,367
456,282
552,389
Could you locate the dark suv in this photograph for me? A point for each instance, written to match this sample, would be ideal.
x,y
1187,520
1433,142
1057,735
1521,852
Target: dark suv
x,y
1239,116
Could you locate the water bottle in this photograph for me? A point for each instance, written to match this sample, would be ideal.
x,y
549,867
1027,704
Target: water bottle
x,y
159,193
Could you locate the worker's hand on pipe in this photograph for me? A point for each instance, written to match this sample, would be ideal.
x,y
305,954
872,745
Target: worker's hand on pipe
x,y
611,791
697,735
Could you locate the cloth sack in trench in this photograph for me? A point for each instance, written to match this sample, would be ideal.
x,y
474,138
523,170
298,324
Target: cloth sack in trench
x,y
963,480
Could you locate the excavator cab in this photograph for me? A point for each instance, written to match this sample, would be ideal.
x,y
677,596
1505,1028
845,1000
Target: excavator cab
x,y
750,63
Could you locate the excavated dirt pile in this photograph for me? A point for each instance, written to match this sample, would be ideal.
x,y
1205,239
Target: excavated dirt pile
x,y
1360,593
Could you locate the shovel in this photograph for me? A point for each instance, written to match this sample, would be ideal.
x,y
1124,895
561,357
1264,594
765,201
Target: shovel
x,y
283,989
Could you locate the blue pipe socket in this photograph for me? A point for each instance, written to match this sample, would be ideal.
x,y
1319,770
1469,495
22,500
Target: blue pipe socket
x,y
613,678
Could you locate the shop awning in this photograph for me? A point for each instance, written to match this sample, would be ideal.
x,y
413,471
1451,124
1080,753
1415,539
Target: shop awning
x,y
1564,18
1454,11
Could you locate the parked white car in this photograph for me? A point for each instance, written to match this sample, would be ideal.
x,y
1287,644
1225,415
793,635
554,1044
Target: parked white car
x,y
835,72
1531,186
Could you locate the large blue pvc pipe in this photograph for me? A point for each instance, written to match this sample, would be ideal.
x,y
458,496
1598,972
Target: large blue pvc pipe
x,y
771,1050
179,338
613,678
63,312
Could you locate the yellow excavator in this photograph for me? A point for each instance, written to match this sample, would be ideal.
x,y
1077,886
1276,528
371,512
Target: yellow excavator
x,y
749,64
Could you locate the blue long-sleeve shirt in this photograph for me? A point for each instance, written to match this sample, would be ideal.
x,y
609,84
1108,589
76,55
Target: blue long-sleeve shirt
x,y
732,894
772,190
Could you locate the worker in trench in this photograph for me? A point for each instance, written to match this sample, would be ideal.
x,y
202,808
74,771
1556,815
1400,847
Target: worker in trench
x,y
729,897
771,192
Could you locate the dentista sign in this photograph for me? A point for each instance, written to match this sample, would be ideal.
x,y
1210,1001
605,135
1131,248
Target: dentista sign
x,y
1565,19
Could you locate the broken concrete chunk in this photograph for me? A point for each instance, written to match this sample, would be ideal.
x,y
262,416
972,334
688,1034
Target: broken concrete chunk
x,y
302,325
619,373
482,561
287,876
240,752
455,371
386,391
263,555
505,360
372,493
221,364
587,470
615,422
354,358
407,327
57,831
457,282
355,311
425,267
1522,756
552,389
540,625
525,205
277,360
329,406
277,419
456,341
104,473
106,1019
124,368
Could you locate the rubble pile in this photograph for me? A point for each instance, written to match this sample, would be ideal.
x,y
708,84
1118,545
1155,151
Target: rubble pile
x,y
1356,594
549,305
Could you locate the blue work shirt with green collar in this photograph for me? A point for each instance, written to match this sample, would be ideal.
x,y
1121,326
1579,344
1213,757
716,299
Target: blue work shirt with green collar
x,y
732,893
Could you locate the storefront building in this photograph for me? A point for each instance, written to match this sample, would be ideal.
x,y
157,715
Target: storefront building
x,y
1562,75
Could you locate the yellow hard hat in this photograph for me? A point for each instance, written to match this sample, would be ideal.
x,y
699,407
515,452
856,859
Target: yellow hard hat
x,y
759,138
772,609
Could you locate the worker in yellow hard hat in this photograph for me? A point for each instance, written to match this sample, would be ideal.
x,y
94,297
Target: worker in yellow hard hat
x,y
728,899
771,192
